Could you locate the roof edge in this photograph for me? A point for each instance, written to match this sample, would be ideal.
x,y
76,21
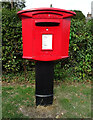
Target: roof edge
x,y
46,9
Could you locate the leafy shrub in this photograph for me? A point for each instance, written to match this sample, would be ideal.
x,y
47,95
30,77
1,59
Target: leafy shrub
x,y
81,41
80,51
91,25
11,41
79,15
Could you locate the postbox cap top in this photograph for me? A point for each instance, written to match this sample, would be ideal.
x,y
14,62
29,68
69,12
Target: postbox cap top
x,y
47,9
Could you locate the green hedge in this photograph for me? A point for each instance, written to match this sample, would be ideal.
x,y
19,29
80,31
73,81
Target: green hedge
x,y
11,41
81,41
79,15
80,62
80,51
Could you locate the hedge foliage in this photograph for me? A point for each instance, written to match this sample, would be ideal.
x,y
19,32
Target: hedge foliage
x,y
11,41
80,51
79,15
81,41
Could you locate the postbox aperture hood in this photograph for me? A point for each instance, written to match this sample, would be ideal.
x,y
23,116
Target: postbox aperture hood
x,y
36,11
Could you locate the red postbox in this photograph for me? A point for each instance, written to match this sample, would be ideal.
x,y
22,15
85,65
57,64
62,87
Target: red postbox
x,y
45,33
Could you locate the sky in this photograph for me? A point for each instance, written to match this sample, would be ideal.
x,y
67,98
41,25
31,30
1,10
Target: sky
x,y
83,5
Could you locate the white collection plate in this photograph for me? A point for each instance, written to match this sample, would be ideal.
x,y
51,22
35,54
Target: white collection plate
x,y
47,41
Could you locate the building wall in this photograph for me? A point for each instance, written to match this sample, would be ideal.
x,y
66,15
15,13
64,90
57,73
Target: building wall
x,y
92,8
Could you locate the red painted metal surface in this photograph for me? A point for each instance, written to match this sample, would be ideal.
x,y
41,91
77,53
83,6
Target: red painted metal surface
x,y
45,33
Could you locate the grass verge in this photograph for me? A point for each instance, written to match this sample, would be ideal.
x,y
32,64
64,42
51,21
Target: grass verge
x,y
13,97
74,100
70,101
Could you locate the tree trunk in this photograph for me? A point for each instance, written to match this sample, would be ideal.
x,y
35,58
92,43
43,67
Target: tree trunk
x,y
12,4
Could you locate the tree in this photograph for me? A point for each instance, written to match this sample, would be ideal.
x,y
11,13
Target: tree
x,y
14,4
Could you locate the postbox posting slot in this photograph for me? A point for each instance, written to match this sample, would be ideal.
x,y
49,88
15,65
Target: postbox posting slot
x,y
47,24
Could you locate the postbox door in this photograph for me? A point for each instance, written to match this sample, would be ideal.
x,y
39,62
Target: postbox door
x,y
47,38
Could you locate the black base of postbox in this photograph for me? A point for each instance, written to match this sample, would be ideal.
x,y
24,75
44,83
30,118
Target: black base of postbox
x,y
44,101
44,82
